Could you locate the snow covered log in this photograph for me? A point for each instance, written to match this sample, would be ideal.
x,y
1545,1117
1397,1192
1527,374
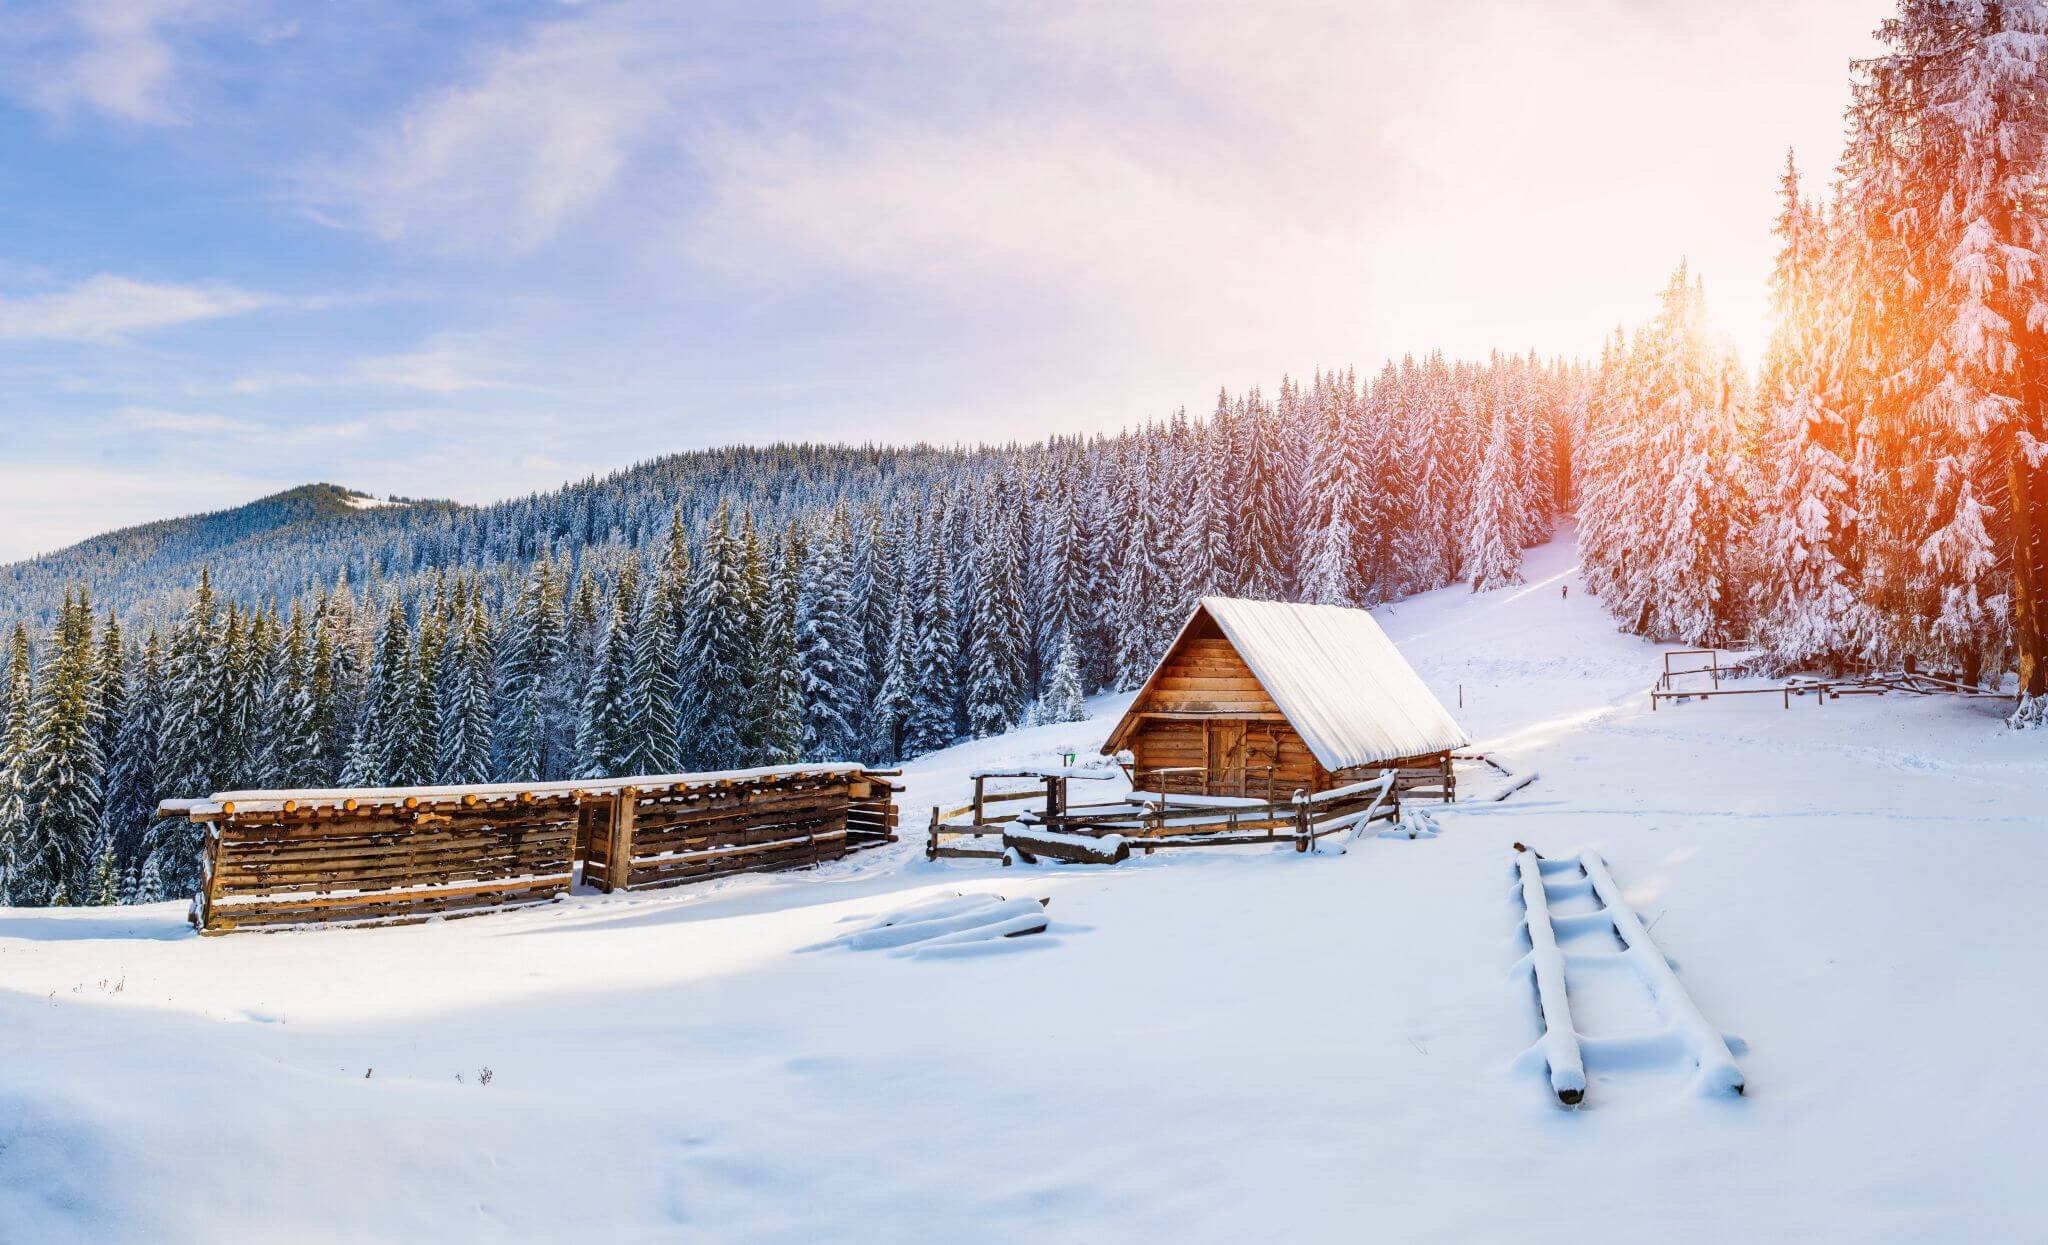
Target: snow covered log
x,y
1560,1041
945,920
1704,1043
1081,849
1519,783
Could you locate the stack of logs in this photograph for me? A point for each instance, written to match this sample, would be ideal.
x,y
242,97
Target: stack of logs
x,y
689,833
396,856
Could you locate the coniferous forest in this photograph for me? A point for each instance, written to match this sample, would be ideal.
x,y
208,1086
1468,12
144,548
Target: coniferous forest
x,y
731,608
1876,491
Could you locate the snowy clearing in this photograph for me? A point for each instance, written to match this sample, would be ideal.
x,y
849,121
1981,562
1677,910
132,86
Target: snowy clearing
x,y
1203,1046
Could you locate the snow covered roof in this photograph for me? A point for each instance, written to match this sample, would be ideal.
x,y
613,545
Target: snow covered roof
x,y
1336,678
485,793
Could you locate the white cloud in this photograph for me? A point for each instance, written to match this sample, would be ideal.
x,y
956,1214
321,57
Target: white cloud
x,y
435,369
535,134
185,423
444,364
122,62
108,308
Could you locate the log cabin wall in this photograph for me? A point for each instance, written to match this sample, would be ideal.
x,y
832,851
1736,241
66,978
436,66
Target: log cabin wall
x,y
1224,756
1207,726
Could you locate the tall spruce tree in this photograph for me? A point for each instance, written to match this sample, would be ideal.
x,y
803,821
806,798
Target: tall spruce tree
x,y
1493,555
1063,701
131,791
14,761
464,703
775,692
654,686
530,657
995,648
603,733
830,656
66,770
191,744
1945,182
934,687
716,651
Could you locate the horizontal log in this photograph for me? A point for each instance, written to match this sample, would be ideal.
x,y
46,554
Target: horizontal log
x,y
735,836
672,861
1073,848
341,848
709,822
246,917
676,872
339,828
739,801
344,907
244,882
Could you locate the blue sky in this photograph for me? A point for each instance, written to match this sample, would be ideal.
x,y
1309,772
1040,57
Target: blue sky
x,y
472,249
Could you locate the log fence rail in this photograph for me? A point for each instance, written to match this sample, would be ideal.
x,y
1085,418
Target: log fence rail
x,y
1147,821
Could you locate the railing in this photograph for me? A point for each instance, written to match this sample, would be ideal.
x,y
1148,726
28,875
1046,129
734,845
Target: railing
x,y
1824,690
1713,668
946,823
1148,820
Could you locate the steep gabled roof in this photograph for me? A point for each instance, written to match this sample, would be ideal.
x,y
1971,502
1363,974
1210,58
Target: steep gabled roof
x,y
1335,676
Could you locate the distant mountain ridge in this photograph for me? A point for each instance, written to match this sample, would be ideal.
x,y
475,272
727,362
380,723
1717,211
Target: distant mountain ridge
x,y
165,549
303,540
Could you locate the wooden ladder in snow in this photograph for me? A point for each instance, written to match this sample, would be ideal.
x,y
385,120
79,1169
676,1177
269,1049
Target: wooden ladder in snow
x,y
1562,1049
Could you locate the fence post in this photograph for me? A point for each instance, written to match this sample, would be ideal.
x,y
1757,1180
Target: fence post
x,y
209,880
931,844
1301,835
618,873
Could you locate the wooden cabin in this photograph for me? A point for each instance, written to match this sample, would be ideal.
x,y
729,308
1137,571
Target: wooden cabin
x,y
1266,698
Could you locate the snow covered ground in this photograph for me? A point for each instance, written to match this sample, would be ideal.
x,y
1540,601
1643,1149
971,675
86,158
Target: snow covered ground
x,y
1202,1047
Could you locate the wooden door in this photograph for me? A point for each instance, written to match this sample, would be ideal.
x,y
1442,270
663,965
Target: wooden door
x,y
1261,760
1224,763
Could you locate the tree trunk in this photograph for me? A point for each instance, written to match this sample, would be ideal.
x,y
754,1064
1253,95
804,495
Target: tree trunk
x,y
2028,485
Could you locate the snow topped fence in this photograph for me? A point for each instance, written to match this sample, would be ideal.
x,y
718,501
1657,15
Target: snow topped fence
x,y
1108,831
386,855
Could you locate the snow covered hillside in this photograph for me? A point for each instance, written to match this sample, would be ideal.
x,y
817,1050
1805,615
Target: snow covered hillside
x,y
1204,1046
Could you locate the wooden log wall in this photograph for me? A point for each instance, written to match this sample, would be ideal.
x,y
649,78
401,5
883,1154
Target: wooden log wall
x,y
371,863
695,835
385,868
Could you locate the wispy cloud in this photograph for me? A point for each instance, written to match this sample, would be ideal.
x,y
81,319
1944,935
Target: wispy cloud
x,y
443,364
185,423
532,136
118,59
438,369
109,308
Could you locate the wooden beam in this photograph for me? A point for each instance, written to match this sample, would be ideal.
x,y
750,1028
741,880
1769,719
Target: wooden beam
x,y
618,873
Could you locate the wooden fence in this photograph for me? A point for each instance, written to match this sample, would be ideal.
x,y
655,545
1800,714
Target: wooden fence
x,y
1147,821
399,855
